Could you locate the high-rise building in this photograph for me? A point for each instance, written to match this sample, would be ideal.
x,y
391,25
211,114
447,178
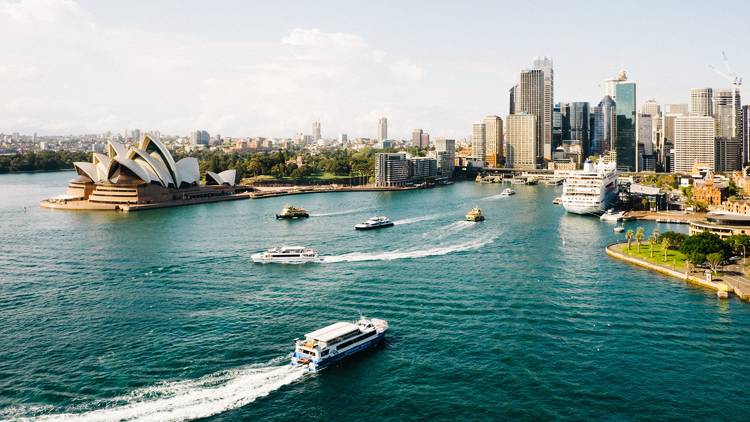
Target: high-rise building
x,y
557,137
447,146
521,141
316,130
604,127
478,140
343,138
694,142
493,137
728,154
646,146
651,107
424,140
678,109
578,122
199,137
421,168
701,101
728,113
416,137
626,144
610,85
135,135
545,65
391,169
745,134
530,100
382,129
513,95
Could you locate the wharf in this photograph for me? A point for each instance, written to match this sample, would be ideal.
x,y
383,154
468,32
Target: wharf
x,y
731,279
674,217
269,192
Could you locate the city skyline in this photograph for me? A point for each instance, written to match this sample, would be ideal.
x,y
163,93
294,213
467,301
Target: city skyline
x,y
87,67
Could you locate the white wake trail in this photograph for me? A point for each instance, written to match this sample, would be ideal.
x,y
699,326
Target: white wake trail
x,y
410,254
493,197
191,399
416,219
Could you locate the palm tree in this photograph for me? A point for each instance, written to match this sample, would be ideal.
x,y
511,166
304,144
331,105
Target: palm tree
x,y
666,243
639,233
629,235
651,242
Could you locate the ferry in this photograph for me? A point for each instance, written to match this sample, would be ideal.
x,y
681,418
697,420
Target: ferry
x,y
337,341
475,215
287,255
290,212
591,190
508,192
374,223
618,229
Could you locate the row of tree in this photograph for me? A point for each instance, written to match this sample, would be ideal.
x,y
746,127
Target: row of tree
x,y
41,161
699,249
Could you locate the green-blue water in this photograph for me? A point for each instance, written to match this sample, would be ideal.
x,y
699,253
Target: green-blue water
x,y
161,315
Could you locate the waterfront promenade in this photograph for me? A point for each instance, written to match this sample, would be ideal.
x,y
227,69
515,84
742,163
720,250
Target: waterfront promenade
x,y
731,279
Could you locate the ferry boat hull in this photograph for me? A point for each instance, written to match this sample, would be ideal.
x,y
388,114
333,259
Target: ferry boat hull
x,y
258,258
372,227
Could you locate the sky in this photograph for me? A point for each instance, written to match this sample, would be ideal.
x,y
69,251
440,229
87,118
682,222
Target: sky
x,y
242,68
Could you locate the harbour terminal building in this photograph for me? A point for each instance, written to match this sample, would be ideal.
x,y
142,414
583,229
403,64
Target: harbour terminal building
x,y
142,176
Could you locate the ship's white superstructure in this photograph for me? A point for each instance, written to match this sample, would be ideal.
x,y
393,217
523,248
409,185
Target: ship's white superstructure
x,y
591,190
333,343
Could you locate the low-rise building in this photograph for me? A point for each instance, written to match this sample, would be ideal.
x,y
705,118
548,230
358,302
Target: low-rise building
x,y
723,225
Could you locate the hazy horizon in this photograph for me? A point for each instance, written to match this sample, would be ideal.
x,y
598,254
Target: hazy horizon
x,y
242,69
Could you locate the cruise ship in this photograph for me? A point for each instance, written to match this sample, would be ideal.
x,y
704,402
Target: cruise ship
x,y
591,190
287,255
337,341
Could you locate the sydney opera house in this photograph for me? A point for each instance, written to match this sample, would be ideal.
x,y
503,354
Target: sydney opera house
x,y
142,176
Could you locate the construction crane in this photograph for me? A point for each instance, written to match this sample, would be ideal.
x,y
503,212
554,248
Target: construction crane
x,y
730,76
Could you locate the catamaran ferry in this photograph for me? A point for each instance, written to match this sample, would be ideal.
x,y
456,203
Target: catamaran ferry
x,y
337,341
287,255
591,190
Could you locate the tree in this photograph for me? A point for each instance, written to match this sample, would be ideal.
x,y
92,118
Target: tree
x,y
704,243
675,239
644,204
738,243
666,243
639,233
652,240
629,235
696,258
714,261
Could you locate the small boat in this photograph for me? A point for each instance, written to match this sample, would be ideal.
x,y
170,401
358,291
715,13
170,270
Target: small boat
x,y
289,212
612,215
557,201
475,215
287,255
374,223
508,192
331,344
618,229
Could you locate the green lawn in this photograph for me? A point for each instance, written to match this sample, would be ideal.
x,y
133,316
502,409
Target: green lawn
x,y
674,258
321,176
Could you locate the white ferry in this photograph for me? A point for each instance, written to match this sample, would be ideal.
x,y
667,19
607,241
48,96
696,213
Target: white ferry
x,y
335,342
508,192
374,223
591,190
612,215
287,255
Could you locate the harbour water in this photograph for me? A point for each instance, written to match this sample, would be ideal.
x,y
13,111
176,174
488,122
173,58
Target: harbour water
x,y
161,315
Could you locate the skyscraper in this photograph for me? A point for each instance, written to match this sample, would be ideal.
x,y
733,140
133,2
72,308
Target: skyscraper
x,y
578,118
610,85
625,126
316,130
651,107
694,142
416,137
530,100
545,65
478,141
604,128
521,152
745,134
448,147
646,143
424,140
382,129
556,126
512,93
677,109
728,113
701,101
493,133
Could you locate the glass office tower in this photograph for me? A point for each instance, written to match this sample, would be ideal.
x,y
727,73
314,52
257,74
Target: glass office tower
x,y
626,144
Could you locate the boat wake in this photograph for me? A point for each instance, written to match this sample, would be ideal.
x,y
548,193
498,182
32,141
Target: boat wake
x,y
416,219
410,254
493,197
191,399
331,214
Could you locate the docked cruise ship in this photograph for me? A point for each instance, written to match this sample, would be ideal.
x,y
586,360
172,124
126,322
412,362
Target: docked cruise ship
x,y
591,190
337,341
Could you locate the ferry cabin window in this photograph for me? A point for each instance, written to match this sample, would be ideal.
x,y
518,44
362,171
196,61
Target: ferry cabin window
x,y
355,340
324,352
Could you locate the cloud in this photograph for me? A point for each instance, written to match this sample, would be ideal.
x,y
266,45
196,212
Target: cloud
x,y
319,39
406,70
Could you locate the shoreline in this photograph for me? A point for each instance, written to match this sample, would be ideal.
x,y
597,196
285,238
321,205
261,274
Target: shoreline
x,y
272,192
722,287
